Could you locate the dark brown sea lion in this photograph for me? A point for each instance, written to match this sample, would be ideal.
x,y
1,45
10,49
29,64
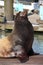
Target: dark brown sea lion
x,y
21,38
22,35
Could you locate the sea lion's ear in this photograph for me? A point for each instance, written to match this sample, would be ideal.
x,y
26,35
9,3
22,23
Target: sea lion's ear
x,y
17,16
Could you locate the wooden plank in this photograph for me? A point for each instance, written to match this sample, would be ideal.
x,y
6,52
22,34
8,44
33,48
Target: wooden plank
x,y
6,26
11,25
33,60
40,21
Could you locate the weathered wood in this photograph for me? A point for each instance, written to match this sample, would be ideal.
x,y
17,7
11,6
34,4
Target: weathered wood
x,y
33,60
8,4
40,21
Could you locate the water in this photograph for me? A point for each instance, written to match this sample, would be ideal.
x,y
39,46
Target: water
x,y
4,33
37,44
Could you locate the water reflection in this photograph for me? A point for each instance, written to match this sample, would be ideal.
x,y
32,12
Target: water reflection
x,y
38,43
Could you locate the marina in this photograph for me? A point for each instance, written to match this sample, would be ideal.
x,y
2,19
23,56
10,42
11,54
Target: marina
x,y
35,16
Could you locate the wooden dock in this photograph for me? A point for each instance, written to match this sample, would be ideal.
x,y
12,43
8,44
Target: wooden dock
x,y
3,26
33,60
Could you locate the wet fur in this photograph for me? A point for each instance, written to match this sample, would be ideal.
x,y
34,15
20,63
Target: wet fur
x,y
22,34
